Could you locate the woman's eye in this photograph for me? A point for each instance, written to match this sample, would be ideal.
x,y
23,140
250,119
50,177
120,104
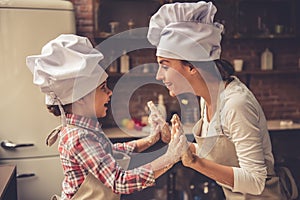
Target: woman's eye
x,y
165,67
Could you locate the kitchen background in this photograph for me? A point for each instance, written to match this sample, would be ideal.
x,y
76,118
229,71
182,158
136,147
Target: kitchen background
x,y
250,28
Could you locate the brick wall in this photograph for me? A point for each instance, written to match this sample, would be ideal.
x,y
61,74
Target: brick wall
x,y
84,17
278,93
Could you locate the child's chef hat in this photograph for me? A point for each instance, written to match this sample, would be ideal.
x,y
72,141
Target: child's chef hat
x,y
186,31
67,69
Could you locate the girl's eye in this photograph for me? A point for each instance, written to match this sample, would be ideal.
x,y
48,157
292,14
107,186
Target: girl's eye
x,y
103,87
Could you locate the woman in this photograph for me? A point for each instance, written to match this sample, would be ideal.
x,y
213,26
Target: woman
x,y
233,146
67,71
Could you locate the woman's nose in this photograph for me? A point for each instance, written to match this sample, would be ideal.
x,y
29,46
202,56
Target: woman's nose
x,y
159,74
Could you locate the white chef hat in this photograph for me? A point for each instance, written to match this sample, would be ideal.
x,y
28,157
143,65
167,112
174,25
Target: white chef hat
x,y
67,69
186,31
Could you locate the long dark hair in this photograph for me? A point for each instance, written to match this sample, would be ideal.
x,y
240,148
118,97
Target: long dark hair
x,y
225,68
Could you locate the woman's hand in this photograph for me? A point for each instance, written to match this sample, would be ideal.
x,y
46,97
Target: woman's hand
x,y
157,122
178,143
176,123
187,156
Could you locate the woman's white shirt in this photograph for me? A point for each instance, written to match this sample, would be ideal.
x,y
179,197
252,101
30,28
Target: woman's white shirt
x,y
244,123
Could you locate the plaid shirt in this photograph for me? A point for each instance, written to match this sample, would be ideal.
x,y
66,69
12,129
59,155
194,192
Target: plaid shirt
x,y
84,148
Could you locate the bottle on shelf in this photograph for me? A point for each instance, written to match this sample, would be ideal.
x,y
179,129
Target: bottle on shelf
x,y
113,67
130,24
267,60
124,63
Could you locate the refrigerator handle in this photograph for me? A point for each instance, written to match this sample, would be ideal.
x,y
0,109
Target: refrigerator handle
x,y
8,145
26,175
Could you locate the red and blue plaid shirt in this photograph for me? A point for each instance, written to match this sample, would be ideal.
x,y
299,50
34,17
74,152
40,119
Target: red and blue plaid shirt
x,y
85,149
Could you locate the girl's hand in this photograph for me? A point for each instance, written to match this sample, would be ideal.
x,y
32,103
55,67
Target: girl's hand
x,y
154,135
157,122
187,156
165,133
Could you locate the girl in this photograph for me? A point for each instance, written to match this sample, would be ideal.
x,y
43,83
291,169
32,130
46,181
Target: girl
x,y
67,71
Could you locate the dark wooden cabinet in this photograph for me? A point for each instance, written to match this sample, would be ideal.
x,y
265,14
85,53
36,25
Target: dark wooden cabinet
x,y
8,183
178,183
285,149
258,19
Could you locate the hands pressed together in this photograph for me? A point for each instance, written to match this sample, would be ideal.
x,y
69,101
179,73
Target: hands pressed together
x,y
178,148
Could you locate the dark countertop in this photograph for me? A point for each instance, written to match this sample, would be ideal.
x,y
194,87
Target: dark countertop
x,y
8,183
281,125
273,125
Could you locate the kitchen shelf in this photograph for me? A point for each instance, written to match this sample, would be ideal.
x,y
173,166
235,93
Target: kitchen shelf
x,y
248,74
135,34
243,73
269,72
238,36
268,1
117,74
